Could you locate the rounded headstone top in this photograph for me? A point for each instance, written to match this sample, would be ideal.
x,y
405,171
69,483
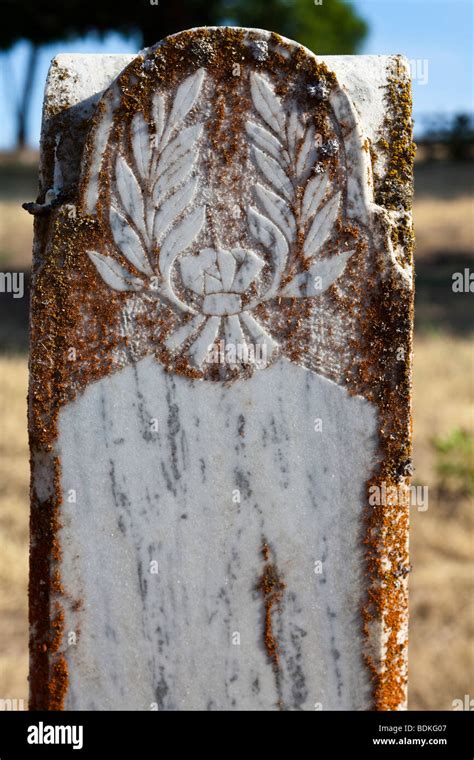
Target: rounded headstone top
x,y
227,172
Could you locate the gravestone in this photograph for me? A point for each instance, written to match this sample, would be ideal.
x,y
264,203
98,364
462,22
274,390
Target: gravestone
x,y
220,379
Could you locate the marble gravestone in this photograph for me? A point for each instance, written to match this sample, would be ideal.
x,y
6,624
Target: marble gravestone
x,y
220,379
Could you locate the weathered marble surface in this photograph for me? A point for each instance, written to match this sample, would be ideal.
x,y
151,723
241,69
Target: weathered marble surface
x,y
168,637
180,488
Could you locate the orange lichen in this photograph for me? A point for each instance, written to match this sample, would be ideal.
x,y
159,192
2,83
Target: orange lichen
x,y
58,684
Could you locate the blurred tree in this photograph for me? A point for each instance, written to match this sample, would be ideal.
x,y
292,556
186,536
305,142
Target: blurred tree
x,y
461,137
330,27
327,27
39,23
453,133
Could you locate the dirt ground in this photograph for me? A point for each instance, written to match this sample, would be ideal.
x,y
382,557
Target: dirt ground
x,y
441,583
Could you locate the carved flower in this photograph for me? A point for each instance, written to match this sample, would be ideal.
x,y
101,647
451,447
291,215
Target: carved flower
x,y
220,277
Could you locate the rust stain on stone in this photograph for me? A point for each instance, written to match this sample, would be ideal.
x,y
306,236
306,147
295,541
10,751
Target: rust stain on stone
x,y
387,382
271,587
49,680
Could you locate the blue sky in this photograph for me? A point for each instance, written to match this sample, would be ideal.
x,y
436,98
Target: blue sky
x,y
437,31
436,35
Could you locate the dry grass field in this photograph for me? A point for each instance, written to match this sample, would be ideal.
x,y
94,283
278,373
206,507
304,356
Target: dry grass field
x,y
13,528
442,620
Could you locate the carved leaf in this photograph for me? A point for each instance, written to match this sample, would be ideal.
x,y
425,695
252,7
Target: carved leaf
x,y
272,239
178,153
273,173
141,147
264,140
180,237
267,233
307,155
315,191
318,278
173,207
128,242
113,274
321,226
266,103
177,171
130,194
163,187
158,116
134,218
277,210
186,95
295,132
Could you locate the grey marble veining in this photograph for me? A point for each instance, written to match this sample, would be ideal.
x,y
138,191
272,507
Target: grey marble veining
x,y
170,497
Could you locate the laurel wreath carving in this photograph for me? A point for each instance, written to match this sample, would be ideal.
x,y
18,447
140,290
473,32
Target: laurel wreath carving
x,y
151,225
293,205
149,198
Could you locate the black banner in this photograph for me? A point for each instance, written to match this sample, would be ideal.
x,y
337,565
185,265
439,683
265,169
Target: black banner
x,y
88,734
